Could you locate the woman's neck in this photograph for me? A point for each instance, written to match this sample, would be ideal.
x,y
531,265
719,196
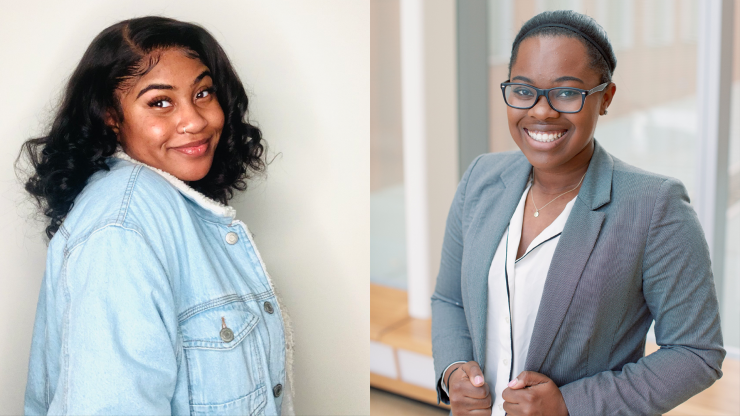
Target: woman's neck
x,y
564,177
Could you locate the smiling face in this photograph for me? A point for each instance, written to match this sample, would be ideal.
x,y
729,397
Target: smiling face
x,y
550,140
171,118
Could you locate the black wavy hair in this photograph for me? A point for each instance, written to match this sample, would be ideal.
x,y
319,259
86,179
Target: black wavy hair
x,y
604,65
79,141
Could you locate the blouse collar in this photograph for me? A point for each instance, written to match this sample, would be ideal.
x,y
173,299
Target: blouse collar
x,y
205,202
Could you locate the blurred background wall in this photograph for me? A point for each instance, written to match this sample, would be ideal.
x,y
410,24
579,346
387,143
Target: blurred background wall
x,y
306,69
658,122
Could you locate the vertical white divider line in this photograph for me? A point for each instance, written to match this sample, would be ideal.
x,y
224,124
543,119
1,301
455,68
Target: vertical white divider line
x,y
415,157
714,66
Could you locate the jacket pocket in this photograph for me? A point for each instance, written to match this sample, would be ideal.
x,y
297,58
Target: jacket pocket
x,y
224,360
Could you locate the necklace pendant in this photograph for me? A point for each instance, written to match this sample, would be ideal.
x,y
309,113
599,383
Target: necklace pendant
x,y
536,213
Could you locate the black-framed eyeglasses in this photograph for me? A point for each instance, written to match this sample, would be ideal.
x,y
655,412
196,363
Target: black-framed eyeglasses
x,y
561,99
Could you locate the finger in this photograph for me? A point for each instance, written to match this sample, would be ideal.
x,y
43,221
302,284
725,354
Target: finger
x,y
513,396
468,390
476,404
513,409
527,379
462,405
472,369
480,412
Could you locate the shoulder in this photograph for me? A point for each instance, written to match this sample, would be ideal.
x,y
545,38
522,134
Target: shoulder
x,y
630,182
493,164
127,195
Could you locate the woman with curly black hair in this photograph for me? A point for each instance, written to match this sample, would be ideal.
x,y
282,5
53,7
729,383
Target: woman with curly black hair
x,y
155,299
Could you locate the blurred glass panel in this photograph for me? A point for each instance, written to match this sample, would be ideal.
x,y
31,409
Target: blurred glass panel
x,y
731,292
652,120
387,225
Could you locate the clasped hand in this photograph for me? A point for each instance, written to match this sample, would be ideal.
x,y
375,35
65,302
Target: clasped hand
x,y
528,394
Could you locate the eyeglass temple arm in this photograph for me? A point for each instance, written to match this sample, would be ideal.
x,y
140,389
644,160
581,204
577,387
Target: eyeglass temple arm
x,y
598,88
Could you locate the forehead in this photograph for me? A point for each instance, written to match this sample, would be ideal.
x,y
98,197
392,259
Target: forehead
x,y
544,59
168,67
175,65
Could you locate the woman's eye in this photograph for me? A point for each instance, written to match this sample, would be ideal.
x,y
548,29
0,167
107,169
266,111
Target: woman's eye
x,y
567,94
161,103
205,93
523,92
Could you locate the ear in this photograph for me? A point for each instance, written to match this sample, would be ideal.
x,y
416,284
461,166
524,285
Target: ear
x,y
111,120
607,98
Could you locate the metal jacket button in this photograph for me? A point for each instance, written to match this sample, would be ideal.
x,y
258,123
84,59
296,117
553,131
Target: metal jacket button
x,y
232,238
227,335
268,307
277,390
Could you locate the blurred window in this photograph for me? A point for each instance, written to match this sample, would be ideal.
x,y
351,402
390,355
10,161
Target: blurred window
x,y
658,17
500,20
689,26
387,224
543,5
617,18
730,293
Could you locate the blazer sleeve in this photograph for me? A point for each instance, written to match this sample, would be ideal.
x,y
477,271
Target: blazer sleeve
x,y
118,352
679,291
451,340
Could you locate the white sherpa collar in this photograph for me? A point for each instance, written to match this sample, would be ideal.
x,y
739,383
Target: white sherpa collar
x,y
197,197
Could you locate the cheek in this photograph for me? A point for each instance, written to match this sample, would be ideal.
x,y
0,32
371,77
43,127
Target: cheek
x,y
584,123
514,116
216,118
154,130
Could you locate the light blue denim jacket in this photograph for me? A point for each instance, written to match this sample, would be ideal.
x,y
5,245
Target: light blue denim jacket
x,y
142,279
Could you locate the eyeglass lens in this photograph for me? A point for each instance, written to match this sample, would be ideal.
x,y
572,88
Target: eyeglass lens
x,y
562,99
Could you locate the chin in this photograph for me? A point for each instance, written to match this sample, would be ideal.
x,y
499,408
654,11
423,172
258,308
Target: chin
x,y
193,173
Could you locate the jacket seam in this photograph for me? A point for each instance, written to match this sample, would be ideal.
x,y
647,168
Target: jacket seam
x,y
221,301
65,335
650,228
127,195
467,181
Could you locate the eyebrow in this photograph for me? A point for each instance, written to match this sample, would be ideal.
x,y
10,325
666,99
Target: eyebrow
x,y
155,87
561,79
150,87
567,78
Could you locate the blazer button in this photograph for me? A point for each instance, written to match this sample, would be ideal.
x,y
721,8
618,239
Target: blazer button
x,y
232,238
268,307
277,390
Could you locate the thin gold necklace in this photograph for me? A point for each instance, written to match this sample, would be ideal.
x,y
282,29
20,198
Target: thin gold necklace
x,y
531,194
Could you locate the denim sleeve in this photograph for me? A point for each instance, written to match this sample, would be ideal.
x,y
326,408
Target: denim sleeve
x,y
679,291
451,340
119,335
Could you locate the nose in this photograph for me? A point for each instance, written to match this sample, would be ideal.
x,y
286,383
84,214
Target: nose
x,y
191,119
542,110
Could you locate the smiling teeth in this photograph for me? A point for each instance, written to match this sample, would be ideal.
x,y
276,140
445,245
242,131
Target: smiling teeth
x,y
545,137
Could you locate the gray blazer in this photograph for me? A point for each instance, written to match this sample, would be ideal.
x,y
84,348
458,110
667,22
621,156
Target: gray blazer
x,y
632,251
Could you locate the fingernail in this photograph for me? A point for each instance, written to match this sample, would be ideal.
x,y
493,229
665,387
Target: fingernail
x,y
478,380
512,383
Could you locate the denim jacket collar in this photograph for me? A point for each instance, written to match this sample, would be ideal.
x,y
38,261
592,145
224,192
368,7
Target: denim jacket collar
x,y
201,200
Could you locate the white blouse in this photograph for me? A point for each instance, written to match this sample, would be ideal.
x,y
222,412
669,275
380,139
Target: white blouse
x,y
512,310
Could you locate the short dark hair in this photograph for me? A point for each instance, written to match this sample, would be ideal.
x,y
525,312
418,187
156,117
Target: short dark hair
x,y
79,141
604,65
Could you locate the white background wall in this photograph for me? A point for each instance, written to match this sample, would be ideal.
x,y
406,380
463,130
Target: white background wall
x,y
306,66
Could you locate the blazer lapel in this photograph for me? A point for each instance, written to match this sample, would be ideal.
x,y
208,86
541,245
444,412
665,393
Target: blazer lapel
x,y
491,217
573,250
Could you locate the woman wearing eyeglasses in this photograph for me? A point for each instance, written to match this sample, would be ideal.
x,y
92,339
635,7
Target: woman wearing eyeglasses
x,y
558,257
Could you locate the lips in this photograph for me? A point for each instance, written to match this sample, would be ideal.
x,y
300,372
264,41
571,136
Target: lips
x,y
543,136
193,144
196,148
